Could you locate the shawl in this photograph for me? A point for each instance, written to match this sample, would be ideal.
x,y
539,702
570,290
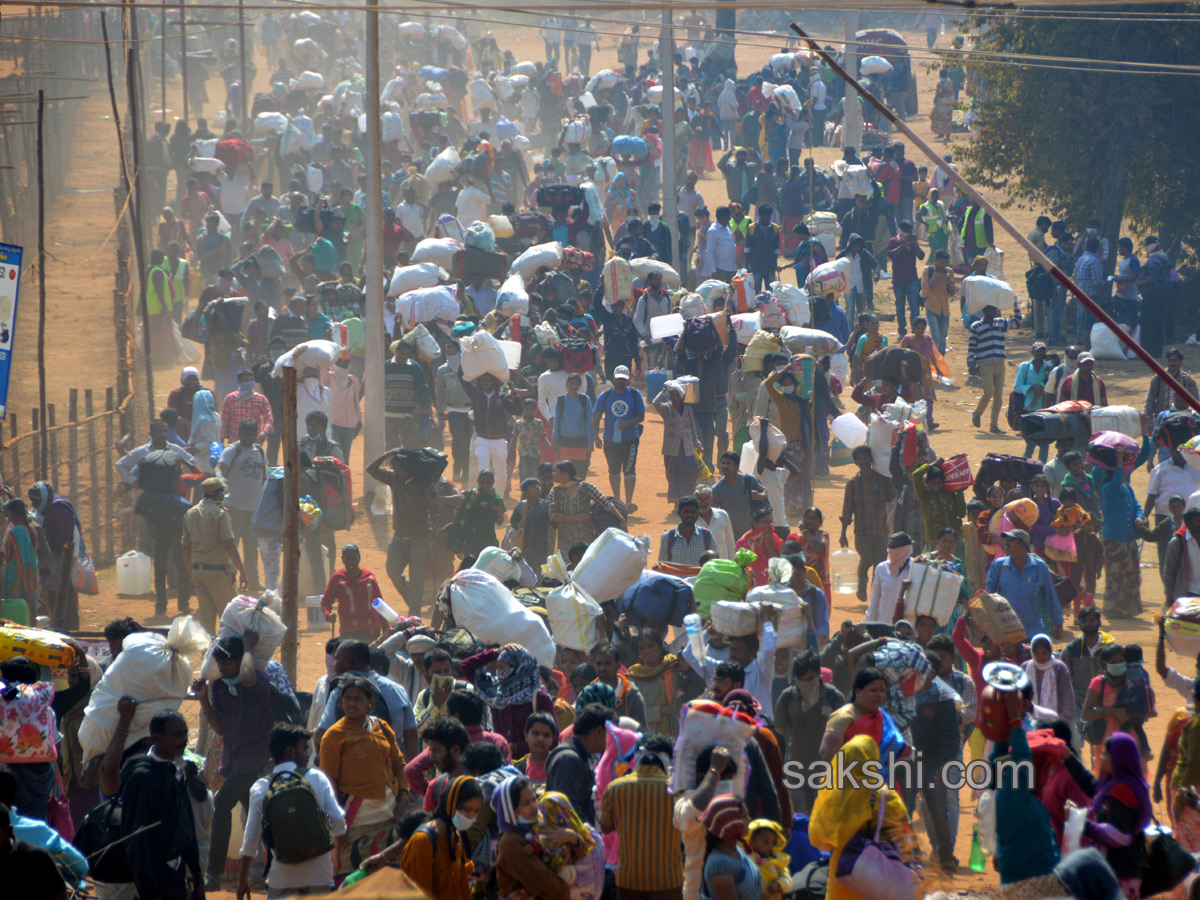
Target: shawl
x,y
517,685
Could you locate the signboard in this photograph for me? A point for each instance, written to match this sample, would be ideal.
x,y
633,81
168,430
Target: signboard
x,y
10,284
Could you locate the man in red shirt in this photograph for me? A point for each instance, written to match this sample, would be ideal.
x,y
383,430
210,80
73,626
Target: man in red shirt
x,y
354,588
395,235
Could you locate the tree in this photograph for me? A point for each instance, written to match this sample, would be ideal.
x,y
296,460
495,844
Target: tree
x,y
1113,141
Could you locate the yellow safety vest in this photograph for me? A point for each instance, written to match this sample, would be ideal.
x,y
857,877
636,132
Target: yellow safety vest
x,y
980,231
154,303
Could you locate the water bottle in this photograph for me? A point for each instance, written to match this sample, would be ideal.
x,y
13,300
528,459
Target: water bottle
x,y
976,863
695,636
384,610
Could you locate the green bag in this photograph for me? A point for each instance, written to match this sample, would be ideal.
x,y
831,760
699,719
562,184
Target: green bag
x,y
722,579
840,454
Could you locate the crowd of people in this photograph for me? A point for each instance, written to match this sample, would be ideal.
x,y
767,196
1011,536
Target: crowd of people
x,y
486,770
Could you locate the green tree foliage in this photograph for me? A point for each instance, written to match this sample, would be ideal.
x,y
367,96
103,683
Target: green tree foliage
x,y
1107,141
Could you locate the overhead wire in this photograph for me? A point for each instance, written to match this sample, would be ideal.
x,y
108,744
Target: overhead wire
x,y
745,38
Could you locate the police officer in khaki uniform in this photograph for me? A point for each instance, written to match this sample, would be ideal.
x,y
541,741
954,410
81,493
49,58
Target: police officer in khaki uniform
x,y
208,548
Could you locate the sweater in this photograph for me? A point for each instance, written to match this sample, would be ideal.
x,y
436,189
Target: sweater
x,y
363,763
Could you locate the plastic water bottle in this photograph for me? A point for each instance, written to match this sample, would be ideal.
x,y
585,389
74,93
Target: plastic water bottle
x,y
693,626
384,610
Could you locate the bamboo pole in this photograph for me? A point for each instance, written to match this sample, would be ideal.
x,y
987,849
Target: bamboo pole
x,y
291,523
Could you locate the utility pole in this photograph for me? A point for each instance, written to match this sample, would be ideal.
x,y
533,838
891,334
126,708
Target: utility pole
x,y
244,112
162,67
373,431
137,205
183,56
666,56
852,111
44,471
291,524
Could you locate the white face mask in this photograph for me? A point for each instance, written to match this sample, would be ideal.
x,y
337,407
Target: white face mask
x,y
654,220
462,821
311,383
788,389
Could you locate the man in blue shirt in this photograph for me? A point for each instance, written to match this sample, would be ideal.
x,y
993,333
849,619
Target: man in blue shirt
x,y
623,410
354,658
1024,580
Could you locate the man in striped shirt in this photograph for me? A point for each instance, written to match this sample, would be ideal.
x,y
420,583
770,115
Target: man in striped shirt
x,y
639,808
986,350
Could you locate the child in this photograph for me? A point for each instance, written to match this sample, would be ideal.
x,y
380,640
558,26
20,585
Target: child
x,y
762,540
1060,547
531,435
1137,698
813,535
766,843
554,814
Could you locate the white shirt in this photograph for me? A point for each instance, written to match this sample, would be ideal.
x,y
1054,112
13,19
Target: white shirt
x,y
412,217
856,278
817,93
471,205
885,592
551,386
1167,480
688,822
316,872
758,675
308,400
722,531
720,250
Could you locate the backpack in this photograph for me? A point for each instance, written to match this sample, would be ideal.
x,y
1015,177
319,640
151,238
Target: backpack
x,y
160,470
337,492
603,519
285,709
700,336
1016,408
295,827
1039,284
97,838
577,354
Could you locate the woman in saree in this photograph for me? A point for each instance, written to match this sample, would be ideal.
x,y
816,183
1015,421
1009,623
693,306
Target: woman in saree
x,y
619,198
864,715
941,117
206,429
656,675
20,578
847,807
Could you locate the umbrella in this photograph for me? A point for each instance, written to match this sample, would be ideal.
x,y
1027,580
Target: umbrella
x,y
1103,448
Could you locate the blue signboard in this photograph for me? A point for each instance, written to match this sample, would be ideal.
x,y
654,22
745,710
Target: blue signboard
x,y
10,285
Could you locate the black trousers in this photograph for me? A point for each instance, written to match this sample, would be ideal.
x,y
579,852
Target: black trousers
x,y
168,553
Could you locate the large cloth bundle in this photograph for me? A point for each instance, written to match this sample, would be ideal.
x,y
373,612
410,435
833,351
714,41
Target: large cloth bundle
x,y
982,291
831,277
420,275
244,614
487,609
722,579
656,597
792,628
935,589
575,618
644,265
795,303
482,353
612,563
874,65
618,282
894,362
424,305
28,726
45,648
705,724
154,670
308,354
439,251
735,618
992,615
444,166
1044,425
809,340
1125,419
548,255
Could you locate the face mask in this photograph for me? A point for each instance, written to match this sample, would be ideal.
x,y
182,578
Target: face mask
x,y
462,821
245,388
311,383
275,354
523,821
454,362
788,389
897,555
1116,669
654,220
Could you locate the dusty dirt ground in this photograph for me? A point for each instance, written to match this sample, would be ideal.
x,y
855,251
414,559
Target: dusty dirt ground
x,y
79,308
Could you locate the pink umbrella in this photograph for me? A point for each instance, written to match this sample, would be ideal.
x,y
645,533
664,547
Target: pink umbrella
x,y
1103,448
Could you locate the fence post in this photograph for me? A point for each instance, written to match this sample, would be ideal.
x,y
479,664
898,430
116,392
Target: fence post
x,y
110,449
73,460
51,473
36,440
89,410
15,475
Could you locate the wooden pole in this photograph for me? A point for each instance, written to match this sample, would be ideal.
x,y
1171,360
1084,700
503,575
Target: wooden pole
x,y
136,207
65,579
291,524
670,190
110,489
162,68
1034,253
183,56
244,111
373,430
74,463
41,240
89,410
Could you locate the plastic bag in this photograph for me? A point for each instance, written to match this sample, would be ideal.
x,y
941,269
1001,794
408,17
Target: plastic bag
x,y
512,296
722,579
308,354
427,304
421,275
154,670
795,303
481,354
548,255
443,167
982,291
244,613
480,236
612,563
776,442
439,251
574,617
1106,345
488,610
498,562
